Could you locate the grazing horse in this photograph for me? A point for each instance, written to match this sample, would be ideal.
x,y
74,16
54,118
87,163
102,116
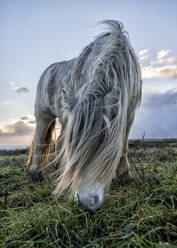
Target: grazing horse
x,y
94,96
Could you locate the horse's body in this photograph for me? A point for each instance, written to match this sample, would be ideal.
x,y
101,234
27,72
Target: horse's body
x,y
94,96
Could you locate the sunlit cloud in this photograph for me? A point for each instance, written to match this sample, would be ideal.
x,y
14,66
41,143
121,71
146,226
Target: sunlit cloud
x,y
19,128
161,60
27,118
167,71
162,67
171,60
30,119
162,53
143,54
19,132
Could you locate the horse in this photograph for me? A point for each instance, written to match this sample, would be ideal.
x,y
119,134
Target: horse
x,y
94,96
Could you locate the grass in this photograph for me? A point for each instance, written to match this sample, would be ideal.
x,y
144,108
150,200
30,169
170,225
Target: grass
x,y
140,215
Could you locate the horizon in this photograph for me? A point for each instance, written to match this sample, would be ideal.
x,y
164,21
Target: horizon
x,y
141,140
36,34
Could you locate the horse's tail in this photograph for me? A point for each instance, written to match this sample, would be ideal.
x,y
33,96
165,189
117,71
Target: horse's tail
x,y
96,126
46,147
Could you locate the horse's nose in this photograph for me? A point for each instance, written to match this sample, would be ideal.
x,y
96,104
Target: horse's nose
x,y
91,202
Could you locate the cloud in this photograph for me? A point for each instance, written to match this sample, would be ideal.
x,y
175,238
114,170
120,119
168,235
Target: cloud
x,y
143,54
21,89
157,116
24,118
162,53
32,122
21,131
28,119
162,67
143,57
18,89
171,60
12,83
18,133
161,60
167,71
18,128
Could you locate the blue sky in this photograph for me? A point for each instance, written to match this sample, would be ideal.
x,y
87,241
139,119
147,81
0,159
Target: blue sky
x,y
37,33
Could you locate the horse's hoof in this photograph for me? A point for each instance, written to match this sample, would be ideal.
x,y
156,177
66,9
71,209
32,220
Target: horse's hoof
x,y
126,179
36,176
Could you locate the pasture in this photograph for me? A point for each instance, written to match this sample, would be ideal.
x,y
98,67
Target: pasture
x,y
143,214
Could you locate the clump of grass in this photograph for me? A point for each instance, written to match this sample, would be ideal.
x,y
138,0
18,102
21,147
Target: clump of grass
x,y
140,215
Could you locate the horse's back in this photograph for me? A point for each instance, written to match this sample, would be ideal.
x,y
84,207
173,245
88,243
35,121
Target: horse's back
x,y
50,86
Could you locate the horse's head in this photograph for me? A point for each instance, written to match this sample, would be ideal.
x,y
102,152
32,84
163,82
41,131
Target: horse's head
x,y
91,196
87,165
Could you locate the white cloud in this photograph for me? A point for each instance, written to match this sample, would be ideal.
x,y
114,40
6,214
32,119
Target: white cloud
x,y
167,71
162,53
171,60
162,67
143,54
143,57
12,83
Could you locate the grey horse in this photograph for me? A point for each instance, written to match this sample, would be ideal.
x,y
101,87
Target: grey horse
x,y
94,96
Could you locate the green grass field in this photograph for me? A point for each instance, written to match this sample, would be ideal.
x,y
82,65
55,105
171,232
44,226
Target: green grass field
x,y
140,215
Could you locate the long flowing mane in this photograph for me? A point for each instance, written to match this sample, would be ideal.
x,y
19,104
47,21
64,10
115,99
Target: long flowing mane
x,y
106,87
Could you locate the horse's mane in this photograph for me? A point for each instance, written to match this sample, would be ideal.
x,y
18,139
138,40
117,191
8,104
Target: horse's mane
x,y
96,124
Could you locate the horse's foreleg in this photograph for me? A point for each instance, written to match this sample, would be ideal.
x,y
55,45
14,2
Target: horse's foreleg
x,y
123,175
39,144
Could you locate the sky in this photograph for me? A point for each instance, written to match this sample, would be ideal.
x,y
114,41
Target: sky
x,y
35,34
